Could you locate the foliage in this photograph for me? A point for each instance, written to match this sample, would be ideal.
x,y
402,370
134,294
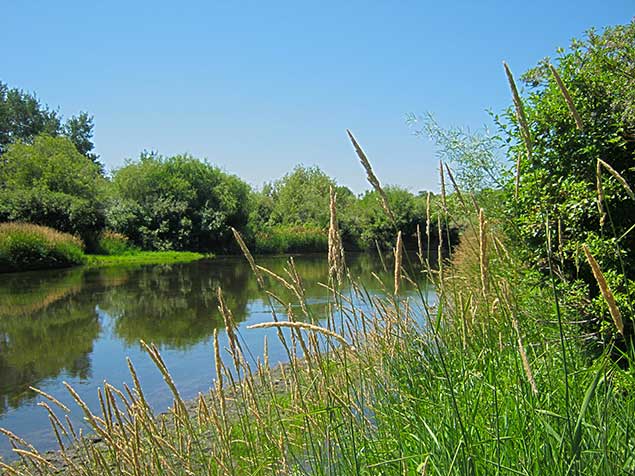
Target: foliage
x,y
301,197
25,247
373,226
564,191
179,202
473,155
50,183
23,118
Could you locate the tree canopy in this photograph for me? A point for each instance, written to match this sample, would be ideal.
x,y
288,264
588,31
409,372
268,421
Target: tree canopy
x,y
177,202
50,183
23,117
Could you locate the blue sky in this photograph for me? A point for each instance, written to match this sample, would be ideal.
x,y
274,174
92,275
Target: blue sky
x,y
257,87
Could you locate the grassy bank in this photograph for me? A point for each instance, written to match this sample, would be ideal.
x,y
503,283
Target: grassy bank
x,y
144,257
26,247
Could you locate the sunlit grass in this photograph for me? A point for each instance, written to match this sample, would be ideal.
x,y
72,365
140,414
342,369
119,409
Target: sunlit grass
x,y
145,257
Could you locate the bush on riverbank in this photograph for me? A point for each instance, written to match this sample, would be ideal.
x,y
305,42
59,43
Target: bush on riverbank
x,y
24,246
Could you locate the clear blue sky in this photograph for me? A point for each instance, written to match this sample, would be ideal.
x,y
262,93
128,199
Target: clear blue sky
x,y
257,87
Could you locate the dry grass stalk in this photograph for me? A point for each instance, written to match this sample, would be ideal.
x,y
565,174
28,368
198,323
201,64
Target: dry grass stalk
x,y
419,244
8,469
153,352
34,456
277,277
50,398
381,256
456,187
600,193
218,365
336,250
13,437
302,325
230,328
443,195
483,260
372,178
523,357
606,291
248,256
520,111
567,98
618,177
398,260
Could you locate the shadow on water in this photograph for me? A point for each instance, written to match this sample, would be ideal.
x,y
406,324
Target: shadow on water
x,y
79,325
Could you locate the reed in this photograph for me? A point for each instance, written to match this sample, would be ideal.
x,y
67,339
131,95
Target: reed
x,y
605,290
567,97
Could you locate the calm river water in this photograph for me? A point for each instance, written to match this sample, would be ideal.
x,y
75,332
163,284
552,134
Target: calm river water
x,y
79,325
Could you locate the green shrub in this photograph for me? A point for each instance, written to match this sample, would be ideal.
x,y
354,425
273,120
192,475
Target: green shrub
x,y
290,239
24,246
113,243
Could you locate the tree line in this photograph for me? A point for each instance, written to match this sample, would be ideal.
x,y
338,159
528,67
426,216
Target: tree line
x,y
49,175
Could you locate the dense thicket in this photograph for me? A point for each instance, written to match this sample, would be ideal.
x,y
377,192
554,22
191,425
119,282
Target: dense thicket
x,y
575,176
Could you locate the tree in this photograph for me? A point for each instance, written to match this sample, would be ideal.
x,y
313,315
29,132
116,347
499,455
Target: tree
x,y
558,180
472,154
50,183
177,202
23,117
301,197
79,129
375,227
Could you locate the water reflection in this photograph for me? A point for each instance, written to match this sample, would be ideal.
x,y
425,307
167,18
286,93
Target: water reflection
x,y
79,325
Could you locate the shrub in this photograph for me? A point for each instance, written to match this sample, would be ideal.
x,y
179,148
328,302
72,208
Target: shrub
x,y
25,246
113,243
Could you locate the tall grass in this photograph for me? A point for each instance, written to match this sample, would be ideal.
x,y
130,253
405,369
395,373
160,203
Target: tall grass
x,y
290,239
24,246
472,383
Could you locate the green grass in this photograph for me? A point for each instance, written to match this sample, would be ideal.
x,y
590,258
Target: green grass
x,y
290,239
145,257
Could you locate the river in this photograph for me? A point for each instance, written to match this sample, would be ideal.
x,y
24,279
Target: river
x,y
79,325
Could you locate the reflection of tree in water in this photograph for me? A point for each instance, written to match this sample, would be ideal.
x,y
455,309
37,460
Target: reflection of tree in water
x,y
32,348
176,305
50,323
